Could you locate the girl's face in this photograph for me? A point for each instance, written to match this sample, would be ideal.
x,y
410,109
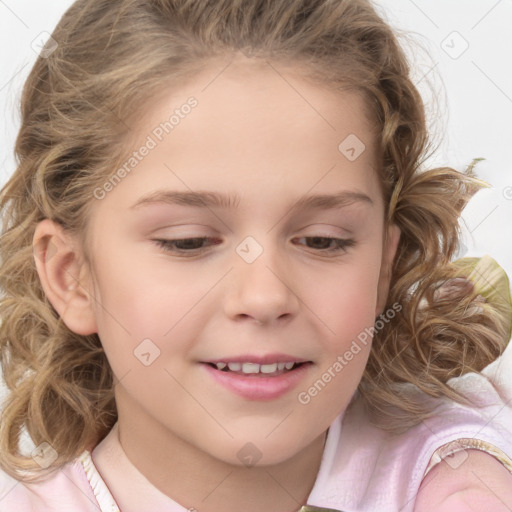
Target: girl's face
x,y
247,229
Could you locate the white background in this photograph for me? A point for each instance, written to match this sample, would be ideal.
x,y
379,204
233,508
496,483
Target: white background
x,y
472,95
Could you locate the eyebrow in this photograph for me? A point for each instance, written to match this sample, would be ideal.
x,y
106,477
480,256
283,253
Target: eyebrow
x,y
202,199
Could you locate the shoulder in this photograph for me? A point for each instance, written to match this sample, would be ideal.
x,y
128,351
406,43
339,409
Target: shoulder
x,y
62,490
481,482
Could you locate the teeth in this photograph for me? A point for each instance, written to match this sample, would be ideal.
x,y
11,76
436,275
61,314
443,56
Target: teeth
x,y
268,368
250,368
255,368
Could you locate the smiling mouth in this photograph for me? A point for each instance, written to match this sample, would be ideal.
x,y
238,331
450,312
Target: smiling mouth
x,y
257,370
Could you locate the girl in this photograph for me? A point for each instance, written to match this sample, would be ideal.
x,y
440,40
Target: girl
x,y
227,276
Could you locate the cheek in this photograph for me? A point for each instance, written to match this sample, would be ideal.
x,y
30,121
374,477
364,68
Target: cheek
x,y
346,303
348,309
141,304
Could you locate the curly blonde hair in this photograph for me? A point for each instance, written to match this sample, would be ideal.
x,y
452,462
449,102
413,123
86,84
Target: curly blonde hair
x,y
113,56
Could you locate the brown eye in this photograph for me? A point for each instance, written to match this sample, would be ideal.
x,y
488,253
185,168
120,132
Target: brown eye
x,y
328,244
183,244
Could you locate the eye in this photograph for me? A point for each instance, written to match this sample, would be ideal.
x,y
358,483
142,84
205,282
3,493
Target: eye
x,y
183,245
328,244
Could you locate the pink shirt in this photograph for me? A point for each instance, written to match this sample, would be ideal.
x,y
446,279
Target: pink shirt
x,y
363,469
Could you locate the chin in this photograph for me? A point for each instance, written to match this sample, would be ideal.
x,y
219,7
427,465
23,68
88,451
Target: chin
x,y
244,452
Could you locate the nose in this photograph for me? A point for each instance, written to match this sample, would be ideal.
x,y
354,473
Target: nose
x,y
262,291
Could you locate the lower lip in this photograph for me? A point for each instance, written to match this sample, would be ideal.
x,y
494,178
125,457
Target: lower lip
x,y
256,387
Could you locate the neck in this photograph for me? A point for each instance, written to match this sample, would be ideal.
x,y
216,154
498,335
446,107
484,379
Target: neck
x,y
195,479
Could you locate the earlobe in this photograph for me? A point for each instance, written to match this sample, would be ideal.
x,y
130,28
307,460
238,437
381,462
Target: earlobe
x,y
64,277
388,256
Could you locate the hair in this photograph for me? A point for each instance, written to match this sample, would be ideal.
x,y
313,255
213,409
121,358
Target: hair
x,y
113,56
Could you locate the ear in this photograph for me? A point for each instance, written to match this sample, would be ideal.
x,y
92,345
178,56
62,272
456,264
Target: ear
x,y
64,277
388,255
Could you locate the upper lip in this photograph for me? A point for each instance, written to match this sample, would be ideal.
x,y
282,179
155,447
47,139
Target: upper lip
x,y
259,359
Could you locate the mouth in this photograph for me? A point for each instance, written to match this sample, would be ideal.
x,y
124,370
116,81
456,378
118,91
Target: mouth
x,y
250,369
258,381
258,378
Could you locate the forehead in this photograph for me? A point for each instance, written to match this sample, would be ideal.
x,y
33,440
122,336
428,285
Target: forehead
x,y
261,96
257,126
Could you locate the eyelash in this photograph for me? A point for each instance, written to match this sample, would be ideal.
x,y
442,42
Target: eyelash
x,y
169,245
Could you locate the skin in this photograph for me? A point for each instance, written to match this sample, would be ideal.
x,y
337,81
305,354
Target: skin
x,y
480,483
271,141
